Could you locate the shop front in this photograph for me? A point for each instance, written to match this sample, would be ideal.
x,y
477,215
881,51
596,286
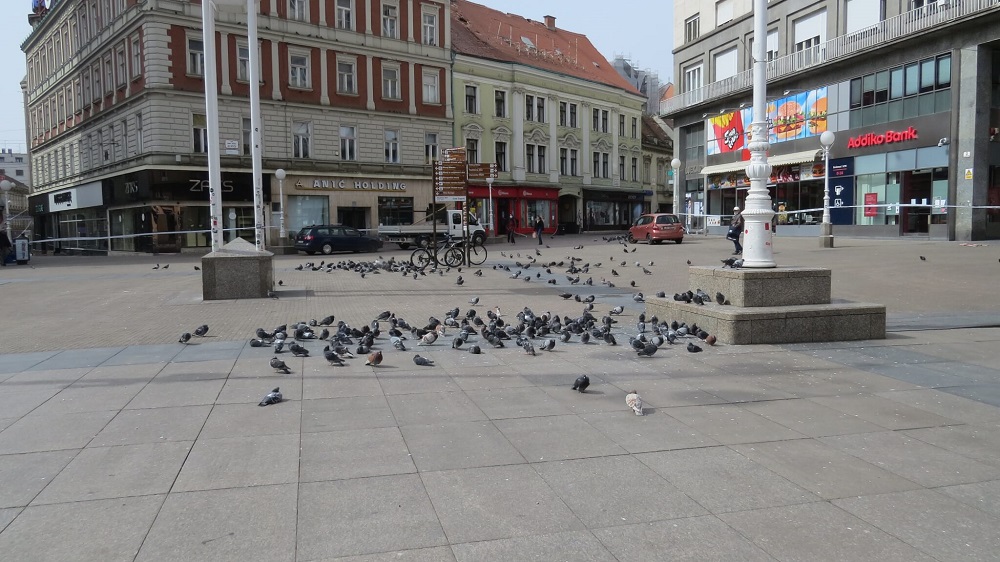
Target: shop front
x,y
612,209
364,202
523,204
73,219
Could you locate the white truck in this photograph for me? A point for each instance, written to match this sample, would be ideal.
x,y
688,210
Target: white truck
x,y
420,232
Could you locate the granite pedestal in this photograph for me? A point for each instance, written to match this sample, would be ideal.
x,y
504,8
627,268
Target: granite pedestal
x,y
237,271
768,306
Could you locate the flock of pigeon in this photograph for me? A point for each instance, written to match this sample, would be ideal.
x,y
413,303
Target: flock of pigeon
x,y
469,331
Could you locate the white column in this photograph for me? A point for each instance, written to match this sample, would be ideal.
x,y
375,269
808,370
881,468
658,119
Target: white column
x,y
368,16
413,87
324,88
322,13
616,179
757,248
369,66
517,137
553,149
410,16
446,86
275,72
227,89
212,114
255,125
586,115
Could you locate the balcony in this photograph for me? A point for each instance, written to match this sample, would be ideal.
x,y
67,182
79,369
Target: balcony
x,y
892,30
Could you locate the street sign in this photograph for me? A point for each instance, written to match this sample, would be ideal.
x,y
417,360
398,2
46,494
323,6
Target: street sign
x,y
482,171
456,154
449,180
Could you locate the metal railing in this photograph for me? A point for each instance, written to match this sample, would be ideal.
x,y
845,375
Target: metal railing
x,y
885,32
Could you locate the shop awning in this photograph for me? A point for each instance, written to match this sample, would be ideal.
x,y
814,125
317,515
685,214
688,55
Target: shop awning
x,y
775,160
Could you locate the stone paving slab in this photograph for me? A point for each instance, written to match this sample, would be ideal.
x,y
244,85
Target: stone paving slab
x,y
766,452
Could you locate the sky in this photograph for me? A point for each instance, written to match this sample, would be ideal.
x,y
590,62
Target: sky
x,y
641,30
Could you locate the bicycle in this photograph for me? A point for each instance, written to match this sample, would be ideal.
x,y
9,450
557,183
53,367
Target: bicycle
x,y
450,252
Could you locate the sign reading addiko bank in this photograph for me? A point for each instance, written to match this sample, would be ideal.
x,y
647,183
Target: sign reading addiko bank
x,y
876,139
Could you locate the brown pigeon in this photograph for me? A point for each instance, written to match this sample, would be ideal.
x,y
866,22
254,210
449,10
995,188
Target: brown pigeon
x,y
374,358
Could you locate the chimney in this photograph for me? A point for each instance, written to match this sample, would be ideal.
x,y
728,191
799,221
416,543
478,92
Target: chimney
x,y
550,22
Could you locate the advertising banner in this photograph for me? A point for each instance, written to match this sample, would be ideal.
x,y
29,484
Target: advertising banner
x,y
871,199
797,116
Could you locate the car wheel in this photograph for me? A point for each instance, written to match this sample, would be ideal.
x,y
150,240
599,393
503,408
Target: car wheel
x,y
649,240
679,240
404,246
478,238
423,241
631,239
328,248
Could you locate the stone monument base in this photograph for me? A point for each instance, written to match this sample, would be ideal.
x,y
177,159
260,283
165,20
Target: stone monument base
x,y
237,271
770,306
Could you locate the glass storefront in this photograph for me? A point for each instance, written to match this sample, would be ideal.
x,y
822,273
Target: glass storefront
x,y
305,210
531,208
84,225
395,210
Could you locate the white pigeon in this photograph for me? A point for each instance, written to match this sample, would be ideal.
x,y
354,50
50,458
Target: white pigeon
x,y
635,402
429,338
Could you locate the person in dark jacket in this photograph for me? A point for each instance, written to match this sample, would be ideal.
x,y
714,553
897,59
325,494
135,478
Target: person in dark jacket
x,y
735,230
5,247
539,228
511,227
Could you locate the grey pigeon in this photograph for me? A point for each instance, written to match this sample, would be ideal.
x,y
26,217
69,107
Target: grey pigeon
x,y
648,350
581,383
333,358
166,266
720,298
457,342
528,347
475,350
279,365
326,321
200,331
422,361
298,351
474,300
693,348
272,397
185,337
617,310
549,344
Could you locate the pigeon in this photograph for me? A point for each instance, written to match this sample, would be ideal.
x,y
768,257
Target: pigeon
x,y
635,402
272,397
711,339
459,281
279,365
333,358
475,350
166,266
474,300
298,351
185,337
693,348
280,282
196,268
549,344
457,342
581,383
257,343
528,347
200,331
374,358
922,258
638,297
397,343
617,310
326,321
422,361
157,266
728,262
648,350
720,298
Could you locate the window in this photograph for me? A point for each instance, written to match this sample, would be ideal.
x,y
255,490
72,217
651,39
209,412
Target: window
x,y
18,172
692,77
471,99
621,125
605,165
297,10
604,121
563,161
597,119
810,31
243,62
196,57
500,155
540,109
529,157
298,72
862,14
621,167
563,113
138,133
725,64
120,63
472,151
430,147
124,138
635,169
543,166
572,116
96,72
691,28
574,166
348,143
500,103
392,146
346,84
109,75
390,21
597,164
246,129
345,11
429,23
136,58
529,107
431,90
77,87
902,92
723,12
200,134
390,83
301,140
635,127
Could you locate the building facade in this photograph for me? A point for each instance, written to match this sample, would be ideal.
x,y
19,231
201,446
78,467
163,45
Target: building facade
x,y
354,105
910,88
657,153
561,125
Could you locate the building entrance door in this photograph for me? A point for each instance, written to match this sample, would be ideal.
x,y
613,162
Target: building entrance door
x,y
916,190
353,216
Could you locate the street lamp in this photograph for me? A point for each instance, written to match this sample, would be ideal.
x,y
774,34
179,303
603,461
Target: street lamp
x,y
232,224
6,186
826,229
676,165
493,226
280,174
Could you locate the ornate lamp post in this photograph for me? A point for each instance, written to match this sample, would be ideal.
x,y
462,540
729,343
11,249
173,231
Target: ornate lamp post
x,y
676,165
826,229
6,186
280,174
758,215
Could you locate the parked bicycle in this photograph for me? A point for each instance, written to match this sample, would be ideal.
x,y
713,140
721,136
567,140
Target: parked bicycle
x,y
449,251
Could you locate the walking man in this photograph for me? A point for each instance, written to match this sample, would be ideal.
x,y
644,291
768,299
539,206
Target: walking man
x,y
511,226
539,228
735,230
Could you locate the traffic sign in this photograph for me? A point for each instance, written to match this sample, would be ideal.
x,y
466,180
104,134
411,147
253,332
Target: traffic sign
x,y
482,171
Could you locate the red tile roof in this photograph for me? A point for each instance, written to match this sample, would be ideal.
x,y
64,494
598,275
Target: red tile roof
x,y
480,31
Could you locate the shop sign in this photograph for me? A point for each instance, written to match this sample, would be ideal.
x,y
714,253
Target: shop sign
x,y
889,137
356,185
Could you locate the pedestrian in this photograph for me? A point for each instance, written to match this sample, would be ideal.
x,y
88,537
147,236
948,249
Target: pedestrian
x,y
735,230
5,247
511,227
539,228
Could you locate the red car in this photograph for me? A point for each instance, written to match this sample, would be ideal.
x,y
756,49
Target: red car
x,y
656,228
